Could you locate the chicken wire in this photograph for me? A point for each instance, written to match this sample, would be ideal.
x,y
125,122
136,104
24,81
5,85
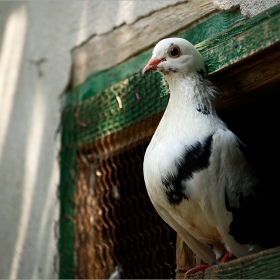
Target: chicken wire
x,y
108,226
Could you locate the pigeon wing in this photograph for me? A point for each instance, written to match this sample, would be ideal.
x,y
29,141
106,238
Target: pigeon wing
x,y
237,181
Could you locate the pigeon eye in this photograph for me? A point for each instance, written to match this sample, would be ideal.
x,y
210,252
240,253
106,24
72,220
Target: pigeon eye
x,y
174,51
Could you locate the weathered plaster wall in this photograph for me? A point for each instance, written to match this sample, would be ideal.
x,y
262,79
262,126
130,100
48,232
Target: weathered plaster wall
x,y
249,8
36,40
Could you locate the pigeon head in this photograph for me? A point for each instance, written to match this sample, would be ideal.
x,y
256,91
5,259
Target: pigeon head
x,y
175,55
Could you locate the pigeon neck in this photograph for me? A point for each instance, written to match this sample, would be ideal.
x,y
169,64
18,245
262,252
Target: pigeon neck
x,y
193,91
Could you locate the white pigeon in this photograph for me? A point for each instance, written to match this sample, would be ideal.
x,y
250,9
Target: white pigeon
x,y
196,170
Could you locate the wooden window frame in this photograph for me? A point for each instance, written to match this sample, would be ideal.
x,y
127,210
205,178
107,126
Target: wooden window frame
x,y
242,61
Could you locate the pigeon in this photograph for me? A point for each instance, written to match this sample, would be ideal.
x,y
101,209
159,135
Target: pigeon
x,y
199,175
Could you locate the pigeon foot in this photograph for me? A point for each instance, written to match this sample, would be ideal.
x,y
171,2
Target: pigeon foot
x,y
228,256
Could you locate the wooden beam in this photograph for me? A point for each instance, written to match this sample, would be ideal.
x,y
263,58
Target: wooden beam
x,y
241,41
263,265
249,79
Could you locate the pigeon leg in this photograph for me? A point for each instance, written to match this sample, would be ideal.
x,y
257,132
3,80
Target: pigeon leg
x,y
228,256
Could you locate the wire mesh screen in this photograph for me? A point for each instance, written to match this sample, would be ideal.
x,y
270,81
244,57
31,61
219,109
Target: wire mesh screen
x,y
108,226
117,227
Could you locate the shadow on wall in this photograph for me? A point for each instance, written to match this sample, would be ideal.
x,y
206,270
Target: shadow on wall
x,y
27,158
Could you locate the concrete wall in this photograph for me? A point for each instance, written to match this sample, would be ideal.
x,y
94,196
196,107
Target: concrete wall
x,y
36,39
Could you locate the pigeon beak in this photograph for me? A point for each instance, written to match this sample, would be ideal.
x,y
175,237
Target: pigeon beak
x,y
152,65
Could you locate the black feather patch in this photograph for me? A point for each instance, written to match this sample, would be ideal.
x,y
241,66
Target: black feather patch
x,y
242,227
202,74
194,159
202,109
